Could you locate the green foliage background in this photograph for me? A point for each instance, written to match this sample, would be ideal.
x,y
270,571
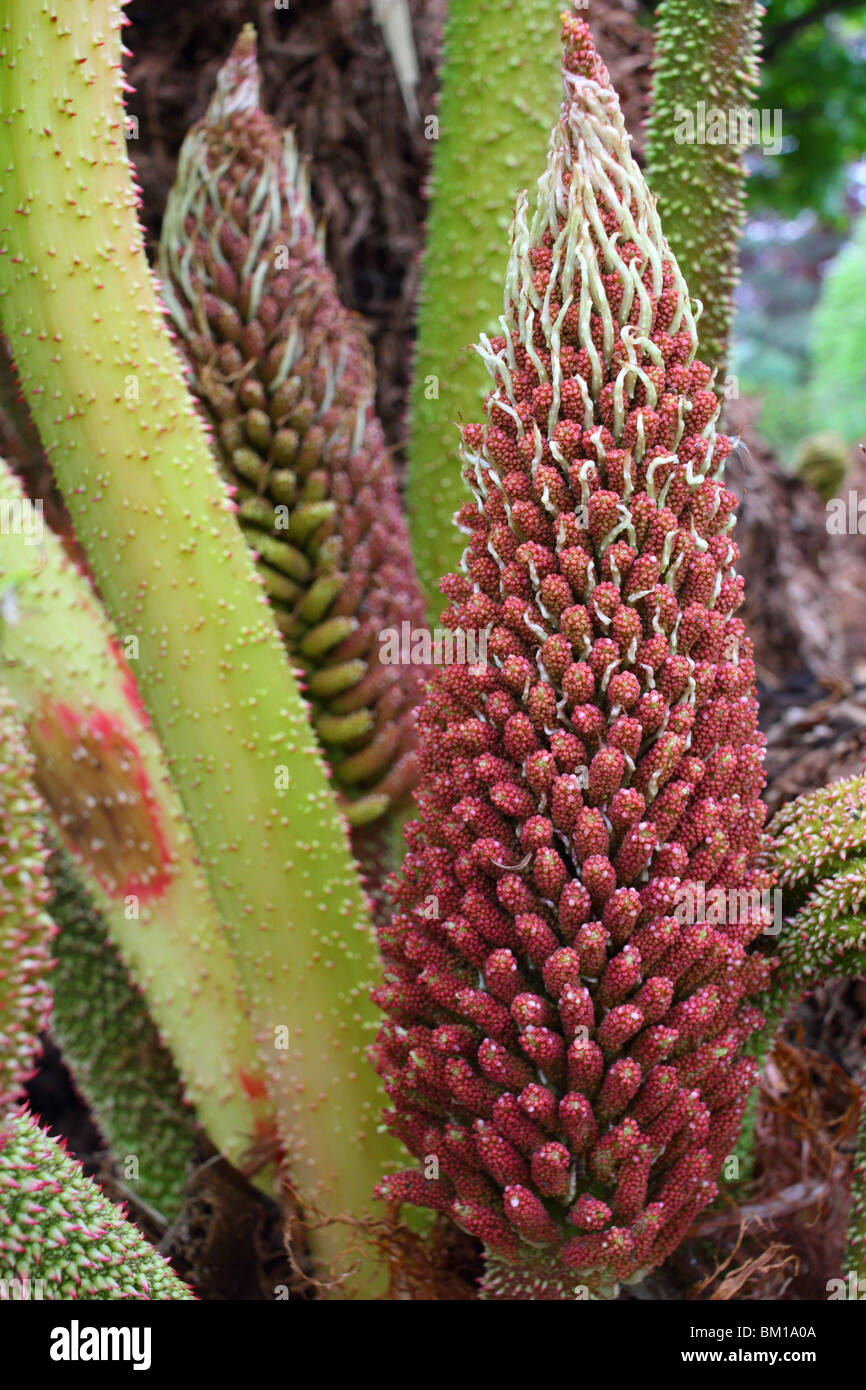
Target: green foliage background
x,y
813,71
800,330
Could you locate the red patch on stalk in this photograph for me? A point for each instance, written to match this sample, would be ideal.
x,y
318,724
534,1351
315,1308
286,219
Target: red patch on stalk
x,y
253,1085
89,770
130,689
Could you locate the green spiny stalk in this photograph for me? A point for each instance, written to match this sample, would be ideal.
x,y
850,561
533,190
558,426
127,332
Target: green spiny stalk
x,y
119,1063
98,1017
101,773
819,857
107,392
706,52
60,1238
499,97
25,928
819,834
54,1224
854,1259
826,937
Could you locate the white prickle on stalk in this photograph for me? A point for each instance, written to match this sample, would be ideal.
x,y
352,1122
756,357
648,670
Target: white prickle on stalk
x,y
60,1237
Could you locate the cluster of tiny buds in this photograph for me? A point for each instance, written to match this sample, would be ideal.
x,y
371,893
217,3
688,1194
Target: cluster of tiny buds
x,y
285,373
569,1052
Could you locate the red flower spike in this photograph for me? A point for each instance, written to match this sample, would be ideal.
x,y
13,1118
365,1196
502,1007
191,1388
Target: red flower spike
x,y
603,760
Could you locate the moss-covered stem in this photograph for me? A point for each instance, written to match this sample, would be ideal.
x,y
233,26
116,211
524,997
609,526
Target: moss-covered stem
x,y
81,313
500,92
705,79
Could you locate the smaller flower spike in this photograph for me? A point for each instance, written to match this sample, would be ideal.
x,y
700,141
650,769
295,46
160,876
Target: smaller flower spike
x,y
285,374
25,928
60,1238
565,1032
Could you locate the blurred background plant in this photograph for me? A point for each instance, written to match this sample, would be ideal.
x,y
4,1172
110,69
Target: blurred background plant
x,y
804,239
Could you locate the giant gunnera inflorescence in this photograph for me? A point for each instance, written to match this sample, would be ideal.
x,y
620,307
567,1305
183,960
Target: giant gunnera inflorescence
x,y
286,374
564,1043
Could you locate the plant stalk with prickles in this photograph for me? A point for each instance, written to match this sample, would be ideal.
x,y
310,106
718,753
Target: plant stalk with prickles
x,y
818,855
25,927
485,142
706,62
105,386
118,1061
854,1258
819,859
55,1225
286,375
565,1030
102,776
